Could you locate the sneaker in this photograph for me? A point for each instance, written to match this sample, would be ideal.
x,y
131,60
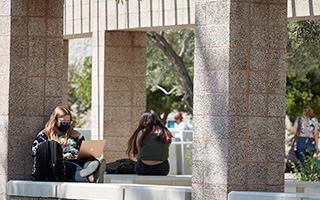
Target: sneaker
x,y
90,169
99,173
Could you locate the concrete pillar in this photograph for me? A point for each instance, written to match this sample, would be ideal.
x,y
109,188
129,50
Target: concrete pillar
x,y
64,73
239,103
118,88
31,59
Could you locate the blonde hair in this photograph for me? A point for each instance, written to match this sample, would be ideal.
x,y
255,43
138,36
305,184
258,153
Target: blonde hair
x,y
308,111
51,126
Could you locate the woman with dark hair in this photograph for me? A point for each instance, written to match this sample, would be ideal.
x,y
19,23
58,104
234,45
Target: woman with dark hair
x,y
59,129
306,128
150,145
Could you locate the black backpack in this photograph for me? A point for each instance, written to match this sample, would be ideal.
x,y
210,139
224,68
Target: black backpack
x,y
122,166
49,164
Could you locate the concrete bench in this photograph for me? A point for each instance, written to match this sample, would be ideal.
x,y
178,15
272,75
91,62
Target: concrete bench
x,y
174,180
306,187
235,195
64,190
156,192
32,188
109,191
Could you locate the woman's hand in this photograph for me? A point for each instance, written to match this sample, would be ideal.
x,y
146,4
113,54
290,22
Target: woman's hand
x,y
68,156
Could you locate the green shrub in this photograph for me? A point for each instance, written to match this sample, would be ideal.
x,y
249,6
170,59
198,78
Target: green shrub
x,y
309,172
189,156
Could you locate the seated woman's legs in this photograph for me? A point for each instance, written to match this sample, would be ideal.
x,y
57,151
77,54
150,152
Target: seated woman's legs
x,y
73,172
159,169
92,169
89,166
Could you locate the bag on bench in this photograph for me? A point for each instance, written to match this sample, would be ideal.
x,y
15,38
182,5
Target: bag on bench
x,y
121,166
49,164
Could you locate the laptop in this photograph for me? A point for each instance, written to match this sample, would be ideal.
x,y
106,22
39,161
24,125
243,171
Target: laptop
x,y
91,148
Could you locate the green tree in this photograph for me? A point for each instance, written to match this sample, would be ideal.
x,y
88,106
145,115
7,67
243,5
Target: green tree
x,y
162,76
163,104
79,91
303,66
170,71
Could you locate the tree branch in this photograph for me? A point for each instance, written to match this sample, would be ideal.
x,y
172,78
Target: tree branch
x,y
187,106
185,44
165,91
178,62
178,67
154,39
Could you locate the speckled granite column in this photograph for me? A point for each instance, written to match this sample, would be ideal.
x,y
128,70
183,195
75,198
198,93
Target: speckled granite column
x,y
31,57
64,71
239,103
120,99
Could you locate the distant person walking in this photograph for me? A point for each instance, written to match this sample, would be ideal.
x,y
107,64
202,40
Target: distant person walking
x,y
150,145
180,124
306,128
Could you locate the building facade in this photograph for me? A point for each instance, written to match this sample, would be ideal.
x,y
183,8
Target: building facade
x,y
239,84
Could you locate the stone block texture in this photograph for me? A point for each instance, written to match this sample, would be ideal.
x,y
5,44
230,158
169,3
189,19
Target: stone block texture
x,y
119,88
31,57
64,70
239,103
300,10
80,17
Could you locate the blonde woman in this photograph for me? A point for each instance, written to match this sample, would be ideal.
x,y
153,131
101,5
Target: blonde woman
x,y
59,129
306,126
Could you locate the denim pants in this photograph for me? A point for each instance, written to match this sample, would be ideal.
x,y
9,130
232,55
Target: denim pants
x,y
159,169
73,168
305,147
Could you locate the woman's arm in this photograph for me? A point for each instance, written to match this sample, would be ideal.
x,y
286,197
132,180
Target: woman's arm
x,y
295,127
71,148
41,137
316,137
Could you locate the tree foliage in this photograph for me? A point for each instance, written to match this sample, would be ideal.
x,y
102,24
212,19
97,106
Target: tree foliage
x,y
162,76
303,66
79,91
166,86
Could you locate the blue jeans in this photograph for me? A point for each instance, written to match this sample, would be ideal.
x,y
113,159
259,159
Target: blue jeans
x,y
159,169
73,168
305,147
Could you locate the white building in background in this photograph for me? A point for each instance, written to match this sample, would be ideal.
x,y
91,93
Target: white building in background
x,y
79,48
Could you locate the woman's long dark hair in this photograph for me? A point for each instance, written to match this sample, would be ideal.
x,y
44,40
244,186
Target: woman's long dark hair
x,y
148,120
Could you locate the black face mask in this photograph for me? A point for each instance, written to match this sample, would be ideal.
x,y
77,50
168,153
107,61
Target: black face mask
x,y
64,128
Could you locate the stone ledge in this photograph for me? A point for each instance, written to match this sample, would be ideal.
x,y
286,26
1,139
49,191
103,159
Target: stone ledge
x,y
32,188
235,195
306,187
174,180
156,192
71,190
